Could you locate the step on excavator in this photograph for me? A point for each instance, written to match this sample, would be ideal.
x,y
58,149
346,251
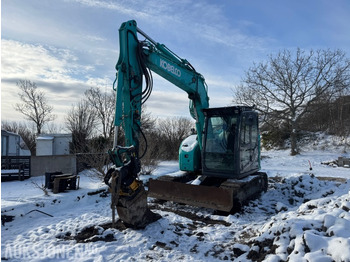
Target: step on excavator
x,y
221,162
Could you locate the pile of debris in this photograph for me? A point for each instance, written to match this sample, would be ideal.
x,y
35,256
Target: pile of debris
x,y
341,162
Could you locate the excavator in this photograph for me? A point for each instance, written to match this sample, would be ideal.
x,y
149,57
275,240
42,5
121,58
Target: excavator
x,y
221,162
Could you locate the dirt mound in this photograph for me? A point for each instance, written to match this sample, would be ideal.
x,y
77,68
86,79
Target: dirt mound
x,y
104,232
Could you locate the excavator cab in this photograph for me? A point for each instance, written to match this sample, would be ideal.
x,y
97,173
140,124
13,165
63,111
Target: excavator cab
x,y
230,142
230,161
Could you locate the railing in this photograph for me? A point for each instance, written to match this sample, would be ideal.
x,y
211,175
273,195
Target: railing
x,y
15,167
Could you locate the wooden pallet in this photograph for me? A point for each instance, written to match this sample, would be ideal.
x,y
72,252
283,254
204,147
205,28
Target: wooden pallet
x,y
69,181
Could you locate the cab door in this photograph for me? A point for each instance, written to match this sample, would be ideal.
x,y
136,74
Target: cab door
x,y
249,144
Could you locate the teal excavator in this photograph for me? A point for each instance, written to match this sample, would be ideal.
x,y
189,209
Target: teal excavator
x,y
221,162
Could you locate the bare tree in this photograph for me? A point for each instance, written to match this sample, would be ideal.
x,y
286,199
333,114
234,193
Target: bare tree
x,y
90,148
104,105
34,105
96,157
150,152
54,128
288,85
81,121
173,131
332,117
148,122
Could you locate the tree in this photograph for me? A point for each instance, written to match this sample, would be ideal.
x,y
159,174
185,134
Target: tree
x,y
81,121
149,151
89,147
104,105
289,85
333,117
34,104
96,157
173,131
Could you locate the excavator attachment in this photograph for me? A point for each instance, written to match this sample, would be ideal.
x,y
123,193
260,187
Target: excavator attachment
x,y
134,211
223,195
128,195
131,207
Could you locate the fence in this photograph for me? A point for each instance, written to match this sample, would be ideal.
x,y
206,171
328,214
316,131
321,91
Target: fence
x,y
15,167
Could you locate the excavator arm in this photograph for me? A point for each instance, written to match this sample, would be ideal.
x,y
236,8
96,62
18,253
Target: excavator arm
x,y
136,59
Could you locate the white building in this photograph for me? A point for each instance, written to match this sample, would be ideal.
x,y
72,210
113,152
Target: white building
x,y
53,144
12,144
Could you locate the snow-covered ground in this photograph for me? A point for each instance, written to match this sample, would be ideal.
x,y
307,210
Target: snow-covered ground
x,y
299,218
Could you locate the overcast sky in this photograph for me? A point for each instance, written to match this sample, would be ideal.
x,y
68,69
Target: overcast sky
x,y
68,46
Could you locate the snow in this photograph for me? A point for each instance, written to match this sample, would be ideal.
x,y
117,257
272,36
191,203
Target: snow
x,y
45,138
299,218
9,171
189,143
